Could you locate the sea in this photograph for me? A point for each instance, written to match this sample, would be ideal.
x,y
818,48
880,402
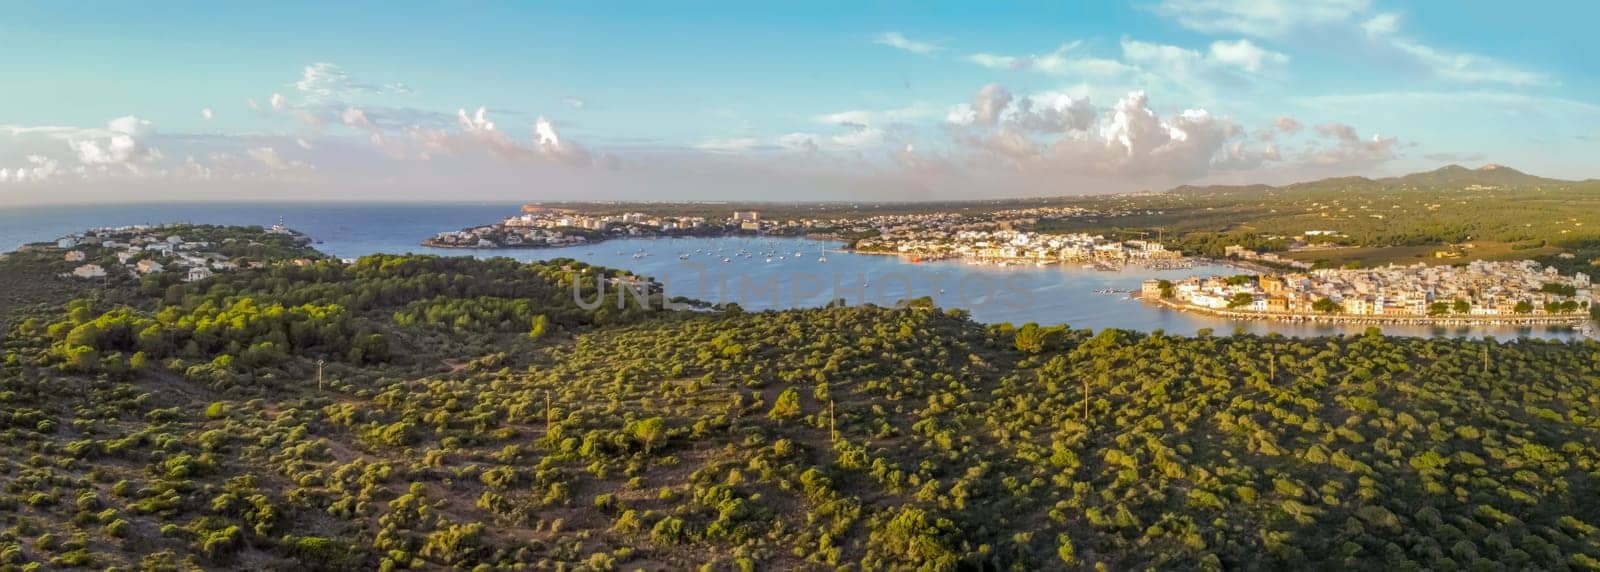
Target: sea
x,y
757,273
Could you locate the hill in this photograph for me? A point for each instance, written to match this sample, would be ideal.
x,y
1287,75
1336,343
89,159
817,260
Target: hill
x,y
1487,175
406,412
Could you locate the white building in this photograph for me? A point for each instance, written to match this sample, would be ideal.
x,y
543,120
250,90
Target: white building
x,y
197,274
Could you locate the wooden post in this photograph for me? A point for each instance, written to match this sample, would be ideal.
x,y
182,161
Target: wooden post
x,y
319,373
1272,368
1085,399
833,428
1486,357
549,414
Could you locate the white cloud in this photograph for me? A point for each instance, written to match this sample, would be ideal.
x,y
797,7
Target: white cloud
x,y
356,118
899,41
1382,24
118,145
880,117
1245,55
38,169
1468,68
574,102
278,102
1045,135
731,145
551,146
1259,18
1346,20
1064,61
269,157
321,81
205,113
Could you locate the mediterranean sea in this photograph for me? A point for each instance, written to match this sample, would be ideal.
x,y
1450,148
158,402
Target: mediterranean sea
x,y
758,273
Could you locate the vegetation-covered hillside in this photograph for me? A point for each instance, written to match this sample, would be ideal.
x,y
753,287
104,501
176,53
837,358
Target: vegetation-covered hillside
x,y
472,416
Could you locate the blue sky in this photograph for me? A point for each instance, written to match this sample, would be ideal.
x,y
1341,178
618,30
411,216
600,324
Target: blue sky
x,y
825,100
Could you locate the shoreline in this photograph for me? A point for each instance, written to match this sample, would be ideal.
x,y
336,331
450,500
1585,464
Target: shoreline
x,y
1407,320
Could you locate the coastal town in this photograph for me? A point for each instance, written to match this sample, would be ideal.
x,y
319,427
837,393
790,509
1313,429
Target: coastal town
x,y
548,227
196,252
987,237
1478,292
1010,246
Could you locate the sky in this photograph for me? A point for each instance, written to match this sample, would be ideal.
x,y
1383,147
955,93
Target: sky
x,y
122,101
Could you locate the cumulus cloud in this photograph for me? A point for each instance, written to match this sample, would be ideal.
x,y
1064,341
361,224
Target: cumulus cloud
x,y
1350,150
356,118
269,157
278,102
1286,124
551,146
1053,113
118,145
37,169
205,113
989,102
899,41
1057,134
476,133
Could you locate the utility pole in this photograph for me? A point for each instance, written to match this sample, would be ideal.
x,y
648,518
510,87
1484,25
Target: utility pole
x,y
320,361
833,428
1486,358
1272,368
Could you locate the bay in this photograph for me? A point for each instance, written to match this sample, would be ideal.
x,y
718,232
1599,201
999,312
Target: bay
x,y
795,275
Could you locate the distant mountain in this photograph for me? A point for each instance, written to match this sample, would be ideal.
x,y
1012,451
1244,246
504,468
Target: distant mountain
x,y
1449,176
1457,175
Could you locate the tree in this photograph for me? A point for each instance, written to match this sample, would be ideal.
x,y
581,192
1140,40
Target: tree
x,y
786,407
1325,305
538,328
1241,300
1461,306
649,431
1438,308
1523,307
